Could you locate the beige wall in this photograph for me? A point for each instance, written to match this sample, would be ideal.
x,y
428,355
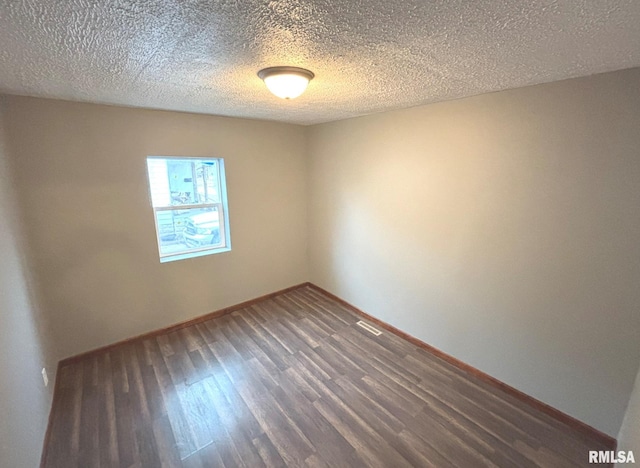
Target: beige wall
x,y
502,229
629,436
81,173
25,347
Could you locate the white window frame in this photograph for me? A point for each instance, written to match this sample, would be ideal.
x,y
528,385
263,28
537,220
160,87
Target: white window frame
x,y
222,208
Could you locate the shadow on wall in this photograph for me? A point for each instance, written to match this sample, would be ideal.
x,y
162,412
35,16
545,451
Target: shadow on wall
x,y
25,347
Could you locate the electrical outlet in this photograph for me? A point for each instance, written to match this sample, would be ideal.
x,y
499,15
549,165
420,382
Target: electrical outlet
x,y
44,377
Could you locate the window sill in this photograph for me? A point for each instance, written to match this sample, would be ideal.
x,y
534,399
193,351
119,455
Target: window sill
x,y
200,253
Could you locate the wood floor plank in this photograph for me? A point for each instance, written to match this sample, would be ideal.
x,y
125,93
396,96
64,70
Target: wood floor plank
x,y
264,340
328,443
107,429
127,445
292,381
268,452
421,452
166,445
232,425
231,394
320,315
244,334
288,439
89,453
223,445
369,408
369,445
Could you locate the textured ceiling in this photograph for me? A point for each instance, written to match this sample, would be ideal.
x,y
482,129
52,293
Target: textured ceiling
x,y
368,56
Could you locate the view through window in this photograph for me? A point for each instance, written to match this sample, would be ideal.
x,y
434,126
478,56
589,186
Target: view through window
x,y
189,200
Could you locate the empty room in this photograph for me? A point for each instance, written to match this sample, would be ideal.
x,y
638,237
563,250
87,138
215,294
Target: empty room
x,y
301,233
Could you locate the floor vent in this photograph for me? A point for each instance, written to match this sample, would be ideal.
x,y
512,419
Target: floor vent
x,y
369,328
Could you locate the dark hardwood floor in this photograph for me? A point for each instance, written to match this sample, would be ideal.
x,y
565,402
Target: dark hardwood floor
x,y
292,381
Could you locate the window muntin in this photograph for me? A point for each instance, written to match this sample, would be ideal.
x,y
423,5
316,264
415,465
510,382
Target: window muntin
x,y
188,196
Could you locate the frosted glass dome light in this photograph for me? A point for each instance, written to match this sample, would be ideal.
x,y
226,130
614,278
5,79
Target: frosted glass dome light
x,y
286,82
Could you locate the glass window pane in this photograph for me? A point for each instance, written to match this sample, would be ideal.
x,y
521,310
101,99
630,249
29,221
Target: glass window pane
x,y
182,181
177,182
191,229
158,182
207,177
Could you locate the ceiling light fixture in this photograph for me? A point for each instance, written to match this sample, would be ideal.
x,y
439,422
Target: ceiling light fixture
x,y
286,82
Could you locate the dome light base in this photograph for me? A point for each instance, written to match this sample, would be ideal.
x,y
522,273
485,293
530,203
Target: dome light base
x,y
286,82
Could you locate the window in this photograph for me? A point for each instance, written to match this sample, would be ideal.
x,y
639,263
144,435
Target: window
x,y
189,200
